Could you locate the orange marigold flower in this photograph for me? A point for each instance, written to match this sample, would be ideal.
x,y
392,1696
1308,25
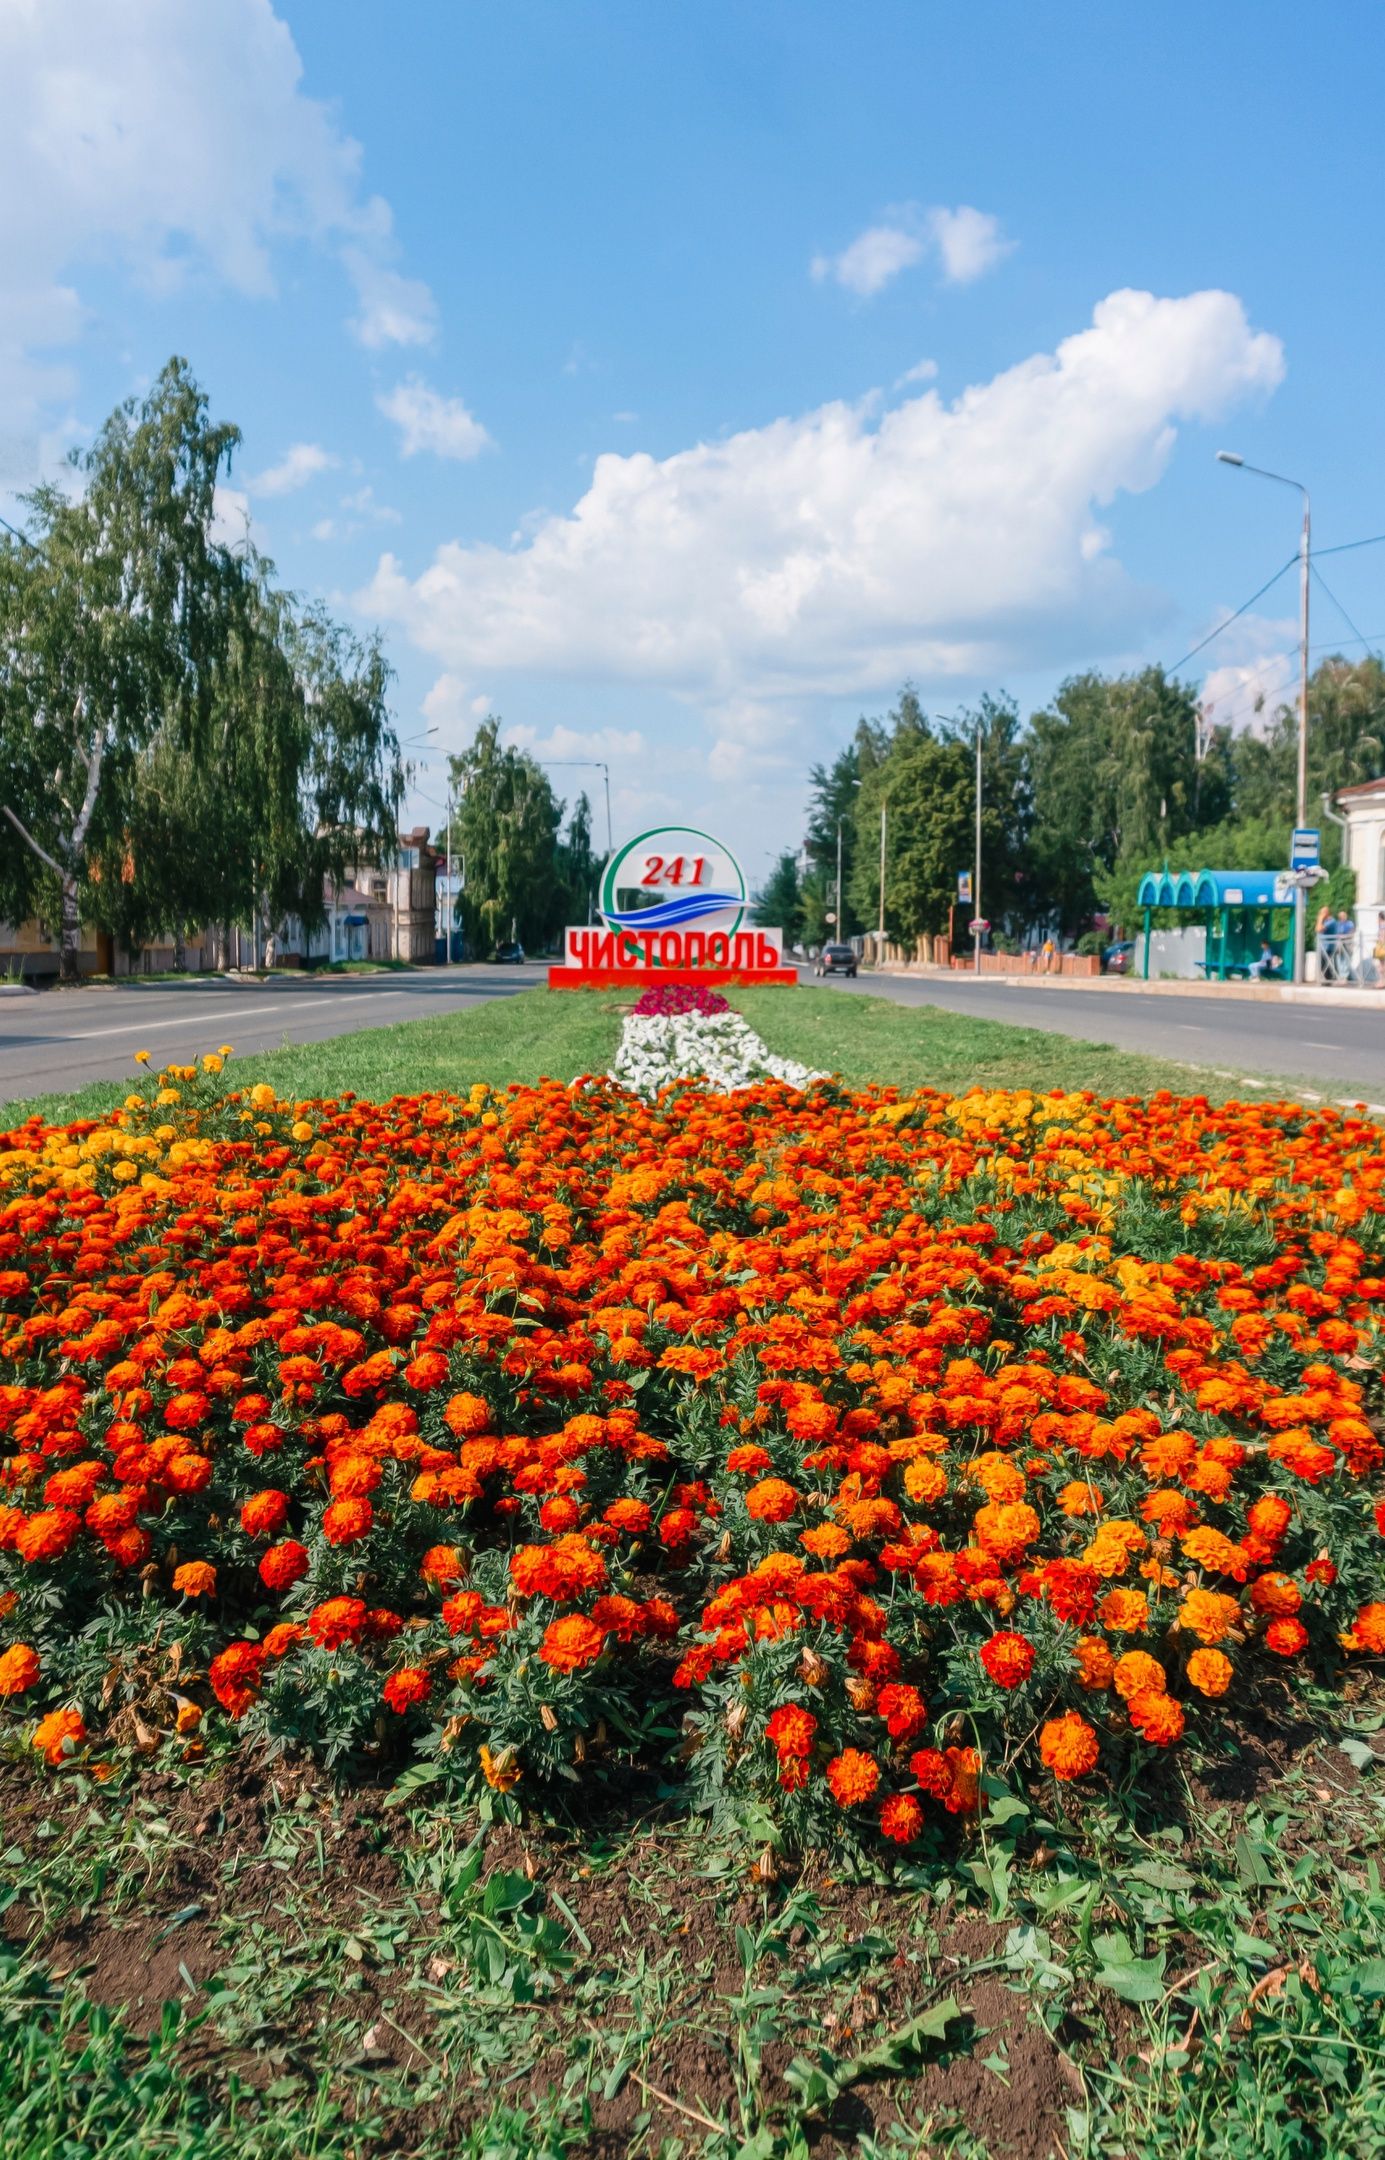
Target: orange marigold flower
x,y
1156,1716
1008,1658
1367,1631
1068,1746
1286,1637
748,1461
1209,1614
499,1769
791,1729
406,1687
19,1669
281,1566
346,1522
1006,1529
1137,1673
442,1565
901,1818
571,1642
771,1500
1210,1672
1125,1612
47,1535
264,1513
1079,1498
1275,1594
467,1414
59,1735
336,1621
195,1578
632,1517
853,1776
1096,1664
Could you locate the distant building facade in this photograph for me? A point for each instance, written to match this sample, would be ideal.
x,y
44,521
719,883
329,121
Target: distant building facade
x,y
1363,848
385,911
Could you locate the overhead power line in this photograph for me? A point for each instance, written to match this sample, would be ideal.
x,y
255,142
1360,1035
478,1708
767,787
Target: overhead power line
x,y
1227,621
1338,605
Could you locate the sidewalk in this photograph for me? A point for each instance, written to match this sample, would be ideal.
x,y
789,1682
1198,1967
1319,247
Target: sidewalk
x,y
1366,1000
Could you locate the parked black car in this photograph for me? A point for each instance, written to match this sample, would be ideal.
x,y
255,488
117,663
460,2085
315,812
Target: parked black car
x,y
508,956
835,960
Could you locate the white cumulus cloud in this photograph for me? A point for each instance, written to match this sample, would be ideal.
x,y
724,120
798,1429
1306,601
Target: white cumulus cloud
x,y
965,243
174,141
429,421
300,463
969,242
836,552
873,258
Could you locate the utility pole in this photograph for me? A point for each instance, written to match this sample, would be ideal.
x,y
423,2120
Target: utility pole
x,y
976,866
1305,570
884,809
837,919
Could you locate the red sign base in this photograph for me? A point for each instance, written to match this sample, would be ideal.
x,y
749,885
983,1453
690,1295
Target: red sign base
x,y
638,978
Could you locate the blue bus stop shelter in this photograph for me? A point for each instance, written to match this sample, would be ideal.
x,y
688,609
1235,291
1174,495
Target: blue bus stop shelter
x,y
1237,908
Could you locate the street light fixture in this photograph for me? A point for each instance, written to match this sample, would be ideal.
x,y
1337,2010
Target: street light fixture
x,y
1233,457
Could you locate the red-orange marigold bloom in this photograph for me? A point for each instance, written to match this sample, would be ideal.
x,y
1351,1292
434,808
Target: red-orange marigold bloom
x,y
1209,1614
47,1535
791,1729
282,1565
1006,1528
1156,1716
467,1414
571,1642
442,1565
1125,1612
1275,1594
771,1500
336,1621
1367,1631
264,1512
406,1687
1068,1746
19,1669
1008,1658
901,1818
632,1517
346,1522
195,1578
1096,1663
853,1776
1286,1637
235,1676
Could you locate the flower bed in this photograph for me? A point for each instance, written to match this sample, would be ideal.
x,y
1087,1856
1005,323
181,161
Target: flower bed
x,y
667,1001
711,1044
826,1450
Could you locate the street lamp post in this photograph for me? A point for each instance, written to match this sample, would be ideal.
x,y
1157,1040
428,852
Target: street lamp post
x,y
976,866
884,812
1231,457
837,918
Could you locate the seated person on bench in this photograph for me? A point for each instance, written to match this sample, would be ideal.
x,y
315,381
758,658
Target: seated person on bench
x,y
1269,962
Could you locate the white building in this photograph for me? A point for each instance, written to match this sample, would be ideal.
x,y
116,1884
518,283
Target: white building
x,y
1363,846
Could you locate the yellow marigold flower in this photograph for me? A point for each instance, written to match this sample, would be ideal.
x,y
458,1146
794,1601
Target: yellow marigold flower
x,y
141,1057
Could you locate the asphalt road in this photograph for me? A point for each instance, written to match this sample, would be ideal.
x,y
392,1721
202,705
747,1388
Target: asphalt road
x,y
63,1038
1341,1052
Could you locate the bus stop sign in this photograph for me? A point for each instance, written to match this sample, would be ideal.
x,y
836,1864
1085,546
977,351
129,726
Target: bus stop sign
x,y
1305,848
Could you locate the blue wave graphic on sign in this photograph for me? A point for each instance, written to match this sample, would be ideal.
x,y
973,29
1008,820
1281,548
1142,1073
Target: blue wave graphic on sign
x,y
671,914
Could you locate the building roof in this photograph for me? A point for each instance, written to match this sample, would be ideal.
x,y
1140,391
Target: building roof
x,y
1362,787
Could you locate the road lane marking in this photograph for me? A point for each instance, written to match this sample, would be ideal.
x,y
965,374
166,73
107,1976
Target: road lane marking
x,y
244,1012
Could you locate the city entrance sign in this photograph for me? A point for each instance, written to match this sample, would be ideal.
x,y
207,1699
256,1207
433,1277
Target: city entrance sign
x,y
672,904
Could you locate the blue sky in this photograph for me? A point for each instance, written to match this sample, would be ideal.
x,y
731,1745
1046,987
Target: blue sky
x,y
675,380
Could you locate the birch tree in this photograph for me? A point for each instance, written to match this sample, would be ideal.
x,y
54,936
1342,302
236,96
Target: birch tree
x,y
114,614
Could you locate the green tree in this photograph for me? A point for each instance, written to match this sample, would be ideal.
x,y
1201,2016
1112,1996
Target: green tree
x,y
506,830
832,825
1115,775
579,869
114,622
779,902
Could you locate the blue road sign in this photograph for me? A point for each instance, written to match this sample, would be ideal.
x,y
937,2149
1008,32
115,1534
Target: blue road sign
x,y
1305,848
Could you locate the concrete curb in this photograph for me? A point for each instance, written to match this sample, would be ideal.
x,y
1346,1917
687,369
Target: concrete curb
x,y
1122,986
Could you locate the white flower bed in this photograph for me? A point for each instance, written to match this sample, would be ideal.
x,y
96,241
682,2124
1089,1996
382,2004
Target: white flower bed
x,y
721,1050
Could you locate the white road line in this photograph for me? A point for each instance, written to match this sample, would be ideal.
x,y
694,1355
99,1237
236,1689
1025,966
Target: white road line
x,y
245,1012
